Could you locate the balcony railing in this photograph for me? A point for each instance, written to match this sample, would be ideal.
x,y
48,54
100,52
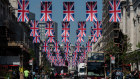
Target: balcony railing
x,y
122,0
21,44
136,3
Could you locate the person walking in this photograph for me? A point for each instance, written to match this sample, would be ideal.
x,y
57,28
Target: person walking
x,y
136,74
119,74
113,74
26,74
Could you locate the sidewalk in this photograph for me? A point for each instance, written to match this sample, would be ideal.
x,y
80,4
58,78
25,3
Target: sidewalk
x,y
21,76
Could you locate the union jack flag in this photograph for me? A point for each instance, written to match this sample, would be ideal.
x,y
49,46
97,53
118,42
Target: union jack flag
x,y
66,55
57,55
65,38
114,11
34,28
97,28
78,46
84,54
65,31
60,61
75,55
91,11
82,29
67,50
67,47
52,59
36,39
23,10
80,39
49,54
56,46
68,11
45,46
88,46
55,62
74,62
93,36
49,28
81,59
51,39
46,11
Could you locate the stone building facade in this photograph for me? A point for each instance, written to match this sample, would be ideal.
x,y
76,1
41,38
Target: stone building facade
x,y
15,41
110,30
130,23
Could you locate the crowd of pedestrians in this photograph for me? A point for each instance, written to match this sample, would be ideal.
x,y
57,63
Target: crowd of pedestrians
x,y
118,74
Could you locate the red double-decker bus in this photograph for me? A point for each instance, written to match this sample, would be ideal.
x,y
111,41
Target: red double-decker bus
x,y
95,65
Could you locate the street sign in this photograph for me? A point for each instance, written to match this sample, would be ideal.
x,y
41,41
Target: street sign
x,y
31,62
16,63
113,59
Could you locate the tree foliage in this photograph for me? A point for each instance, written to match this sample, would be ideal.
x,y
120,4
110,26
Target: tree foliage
x,y
119,51
32,54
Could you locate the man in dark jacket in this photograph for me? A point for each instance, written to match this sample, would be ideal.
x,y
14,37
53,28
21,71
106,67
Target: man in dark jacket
x,y
136,74
113,74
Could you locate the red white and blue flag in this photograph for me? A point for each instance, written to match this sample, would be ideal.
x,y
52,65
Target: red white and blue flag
x,y
74,58
88,46
23,10
82,28
45,46
80,38
81,59
114,11
57,54
46,11
81,31
85,54
75,54
51,39
49,30
97,28
67,50
65,31
36,39
68,11
56,46
91,11
49,54
73,62
93,36
60,61
34,28
56,62
52,59
78,46
65,38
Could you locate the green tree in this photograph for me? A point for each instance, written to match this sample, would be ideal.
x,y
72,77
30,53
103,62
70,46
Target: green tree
x,y
126,46
119,51
32,54
135,55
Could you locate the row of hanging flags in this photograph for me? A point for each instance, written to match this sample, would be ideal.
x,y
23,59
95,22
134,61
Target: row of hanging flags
x,y
68,11
68,15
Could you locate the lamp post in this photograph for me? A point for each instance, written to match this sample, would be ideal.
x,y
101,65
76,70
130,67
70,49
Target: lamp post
x,y
138,59
21,66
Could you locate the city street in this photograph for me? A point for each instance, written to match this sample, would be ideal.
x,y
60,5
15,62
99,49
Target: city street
x,y
69,39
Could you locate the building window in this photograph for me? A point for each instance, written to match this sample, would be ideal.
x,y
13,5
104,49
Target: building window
x,y
135,22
